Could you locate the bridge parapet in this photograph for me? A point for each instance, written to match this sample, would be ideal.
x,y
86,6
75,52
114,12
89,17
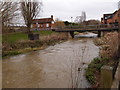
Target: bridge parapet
x,y
90,26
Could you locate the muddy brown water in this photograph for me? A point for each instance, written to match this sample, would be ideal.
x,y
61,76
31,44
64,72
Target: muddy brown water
x,y
59,66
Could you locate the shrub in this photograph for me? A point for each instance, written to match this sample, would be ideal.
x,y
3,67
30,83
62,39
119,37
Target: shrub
x,y
90,76
94,66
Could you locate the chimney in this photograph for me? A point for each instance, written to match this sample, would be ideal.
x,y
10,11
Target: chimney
x,y
52,16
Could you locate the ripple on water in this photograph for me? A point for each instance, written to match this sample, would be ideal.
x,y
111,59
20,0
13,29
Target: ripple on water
x,y
51,67
15,58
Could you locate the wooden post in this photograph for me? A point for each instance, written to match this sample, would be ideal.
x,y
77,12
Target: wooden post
x,y
116,81
72,34
106,76
119,42
99,33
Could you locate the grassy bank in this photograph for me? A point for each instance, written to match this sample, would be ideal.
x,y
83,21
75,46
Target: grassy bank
x,y
17,46
17,36
107,56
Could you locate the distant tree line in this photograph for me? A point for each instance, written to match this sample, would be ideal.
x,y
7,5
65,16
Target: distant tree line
x,y
88,22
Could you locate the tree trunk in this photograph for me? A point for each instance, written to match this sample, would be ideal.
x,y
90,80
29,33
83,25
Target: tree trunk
x,y
119,42
30,34
28,29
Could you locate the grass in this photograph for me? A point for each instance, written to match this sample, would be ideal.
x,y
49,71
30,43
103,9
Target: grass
x,y
12,38
17,36
43,33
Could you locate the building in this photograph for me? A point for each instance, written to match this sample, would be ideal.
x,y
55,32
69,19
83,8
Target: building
x,y
43,24
112,18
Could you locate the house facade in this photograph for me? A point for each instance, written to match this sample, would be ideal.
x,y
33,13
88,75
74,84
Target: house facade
x,y
112,18
43,23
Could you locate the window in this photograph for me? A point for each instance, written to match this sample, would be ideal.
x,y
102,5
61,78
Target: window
x,y
105,17
52,22
38,25
41,25
47,25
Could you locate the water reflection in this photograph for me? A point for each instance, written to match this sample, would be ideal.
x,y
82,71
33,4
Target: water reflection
x,y
86,35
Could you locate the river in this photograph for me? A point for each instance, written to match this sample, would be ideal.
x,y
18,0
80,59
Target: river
x,y
59,66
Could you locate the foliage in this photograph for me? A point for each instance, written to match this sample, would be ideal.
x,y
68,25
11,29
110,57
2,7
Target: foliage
x,y
82,18
59,24
109,45
67,23
94,66
92,22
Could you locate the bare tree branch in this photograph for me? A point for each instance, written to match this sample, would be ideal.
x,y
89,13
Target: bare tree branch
x,y
30,9
8,10
81,18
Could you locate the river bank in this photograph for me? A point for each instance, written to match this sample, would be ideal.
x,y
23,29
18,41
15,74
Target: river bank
x,y
107,56
24,46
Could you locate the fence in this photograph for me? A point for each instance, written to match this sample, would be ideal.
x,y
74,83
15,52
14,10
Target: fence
x,y
90,26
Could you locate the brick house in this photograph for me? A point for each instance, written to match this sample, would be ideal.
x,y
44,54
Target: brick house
x,y
43,24
113,18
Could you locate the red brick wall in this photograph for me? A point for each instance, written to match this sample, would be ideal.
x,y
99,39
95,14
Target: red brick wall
x,y
117,17
42,26
109,21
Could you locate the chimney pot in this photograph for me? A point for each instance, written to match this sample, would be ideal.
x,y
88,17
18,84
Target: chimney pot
x,y
51,16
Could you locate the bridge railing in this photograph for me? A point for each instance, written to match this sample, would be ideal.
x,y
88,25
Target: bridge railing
x,y
90,26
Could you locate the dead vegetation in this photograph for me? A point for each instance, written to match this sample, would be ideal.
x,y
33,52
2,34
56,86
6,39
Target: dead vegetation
x,y
108,45
22,46
108,53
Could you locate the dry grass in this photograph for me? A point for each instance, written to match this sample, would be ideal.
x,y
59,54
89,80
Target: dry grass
x,y
109,45
108,53
21,45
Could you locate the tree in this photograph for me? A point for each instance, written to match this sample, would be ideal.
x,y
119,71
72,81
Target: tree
x,y
82,18
92,22
119,5
8,11
67,23
77,19
59,23
30,9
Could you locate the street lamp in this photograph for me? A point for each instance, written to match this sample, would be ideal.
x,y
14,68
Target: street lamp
x,y
71,21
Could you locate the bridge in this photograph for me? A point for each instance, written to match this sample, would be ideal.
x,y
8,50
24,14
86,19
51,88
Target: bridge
x,y
88,28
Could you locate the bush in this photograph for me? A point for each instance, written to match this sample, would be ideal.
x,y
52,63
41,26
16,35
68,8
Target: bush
x,y
94,66
90,76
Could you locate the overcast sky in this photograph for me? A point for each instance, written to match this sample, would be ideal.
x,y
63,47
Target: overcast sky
x,y
65,9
